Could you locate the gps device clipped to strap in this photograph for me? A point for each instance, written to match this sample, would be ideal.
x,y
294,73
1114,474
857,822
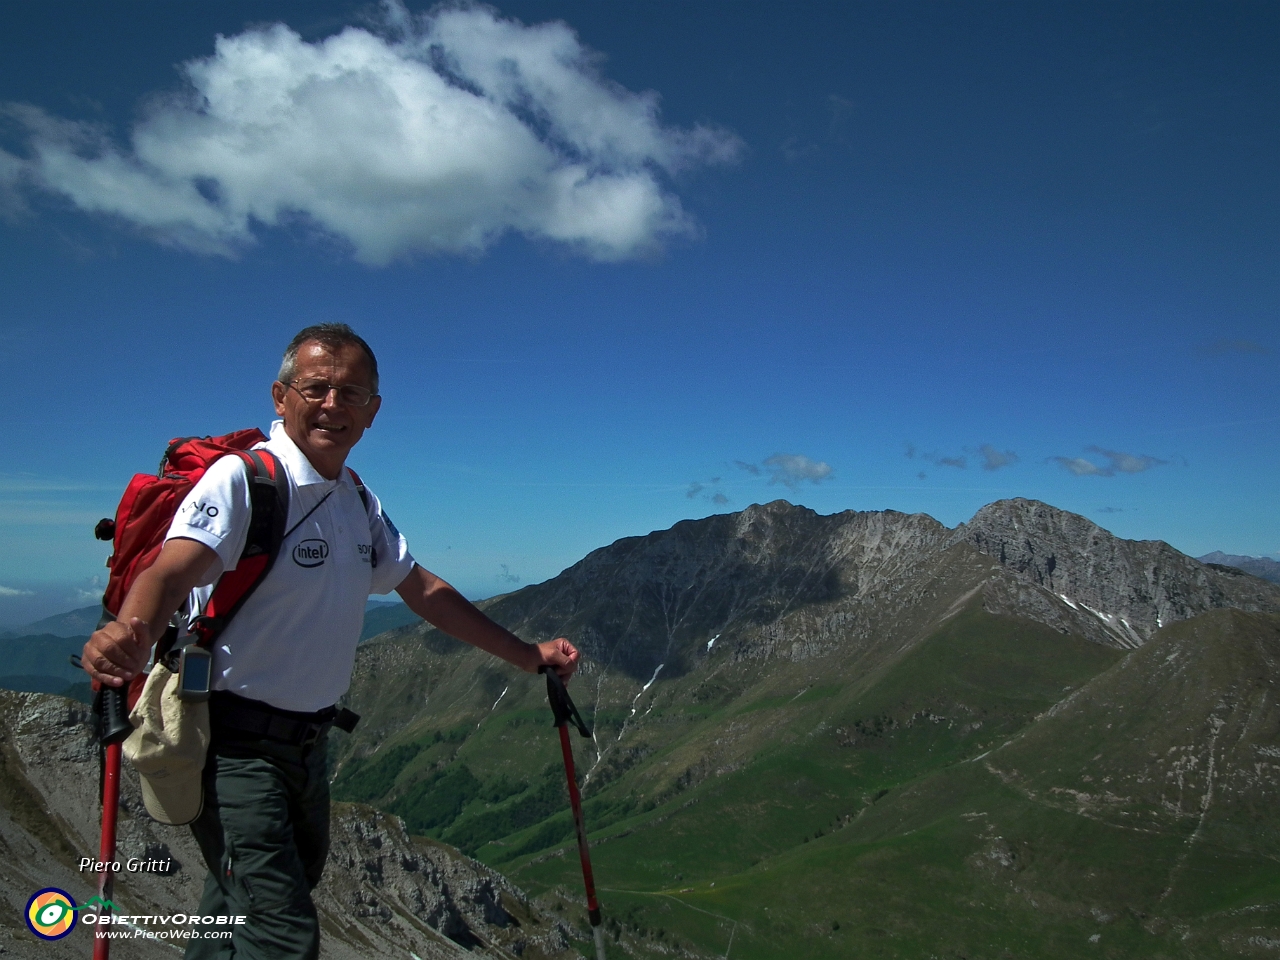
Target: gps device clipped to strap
x,y
195,669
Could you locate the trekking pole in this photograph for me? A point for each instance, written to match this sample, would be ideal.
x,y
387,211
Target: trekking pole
x,y
565,713
114,728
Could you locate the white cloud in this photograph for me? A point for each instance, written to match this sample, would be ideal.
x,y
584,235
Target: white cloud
x,y
439,135
11,592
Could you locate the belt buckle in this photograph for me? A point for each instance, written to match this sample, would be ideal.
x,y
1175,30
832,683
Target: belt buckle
x,y
313,733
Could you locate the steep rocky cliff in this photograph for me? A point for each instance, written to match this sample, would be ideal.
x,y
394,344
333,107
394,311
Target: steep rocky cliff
x,y
1132,587
384,893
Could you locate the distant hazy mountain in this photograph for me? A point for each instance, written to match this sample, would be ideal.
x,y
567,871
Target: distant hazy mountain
x,y
1263,567
40,664
382,615
833,734
76,623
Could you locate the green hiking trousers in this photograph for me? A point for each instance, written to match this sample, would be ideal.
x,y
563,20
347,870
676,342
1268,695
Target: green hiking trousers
x,y
264,834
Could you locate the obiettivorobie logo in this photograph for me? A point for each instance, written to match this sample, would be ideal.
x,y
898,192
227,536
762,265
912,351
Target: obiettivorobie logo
x,y
51,913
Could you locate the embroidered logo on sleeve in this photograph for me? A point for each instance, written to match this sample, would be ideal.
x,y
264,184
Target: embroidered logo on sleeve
x,y
391,527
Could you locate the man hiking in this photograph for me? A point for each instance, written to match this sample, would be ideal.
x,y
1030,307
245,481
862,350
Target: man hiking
x,y
286,658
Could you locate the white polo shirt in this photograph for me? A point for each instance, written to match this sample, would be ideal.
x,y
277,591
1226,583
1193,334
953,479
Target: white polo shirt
x,y
293,643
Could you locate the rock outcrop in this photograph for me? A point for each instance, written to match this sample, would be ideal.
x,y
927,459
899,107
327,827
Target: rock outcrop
x,y
384,893
1132,587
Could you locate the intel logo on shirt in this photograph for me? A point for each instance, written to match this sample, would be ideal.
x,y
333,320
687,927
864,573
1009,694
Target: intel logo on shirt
x,y
310,553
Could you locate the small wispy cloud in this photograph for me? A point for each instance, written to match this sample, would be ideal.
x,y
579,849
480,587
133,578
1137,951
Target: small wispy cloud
x,y
1116,462
936,459
789,469
792,469
993,459
708,491
506,576
13,592
841,114
1220,348
1077,465
1110,510
794,149
988,455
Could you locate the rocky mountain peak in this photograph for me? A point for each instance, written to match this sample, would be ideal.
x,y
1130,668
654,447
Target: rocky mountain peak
x,y
1133,586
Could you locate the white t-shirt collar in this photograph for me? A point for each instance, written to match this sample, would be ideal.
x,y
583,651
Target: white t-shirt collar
x,y
300,468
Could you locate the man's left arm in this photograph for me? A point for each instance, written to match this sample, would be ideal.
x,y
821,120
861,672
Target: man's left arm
x,y
438,603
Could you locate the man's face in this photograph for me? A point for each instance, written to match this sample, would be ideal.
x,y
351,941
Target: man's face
x,y
326,430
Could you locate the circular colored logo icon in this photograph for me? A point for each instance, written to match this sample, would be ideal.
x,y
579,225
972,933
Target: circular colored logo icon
x,y
51,913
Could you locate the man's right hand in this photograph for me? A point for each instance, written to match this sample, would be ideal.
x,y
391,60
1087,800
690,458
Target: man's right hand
x,y
115,654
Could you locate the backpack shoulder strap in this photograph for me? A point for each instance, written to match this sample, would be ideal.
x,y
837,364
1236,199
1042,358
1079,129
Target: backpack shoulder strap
x,y
269,511
364,494
364,498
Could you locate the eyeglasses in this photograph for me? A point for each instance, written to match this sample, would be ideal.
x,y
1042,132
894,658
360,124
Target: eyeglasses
x,y
317,391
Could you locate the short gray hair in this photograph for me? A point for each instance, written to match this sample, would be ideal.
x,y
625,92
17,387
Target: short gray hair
x,y
331,335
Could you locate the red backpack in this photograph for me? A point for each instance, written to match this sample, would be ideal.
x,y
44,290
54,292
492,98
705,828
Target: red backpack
x,y
147,509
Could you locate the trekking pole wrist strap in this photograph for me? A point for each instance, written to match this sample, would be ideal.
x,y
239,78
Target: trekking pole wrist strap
x,y
561,705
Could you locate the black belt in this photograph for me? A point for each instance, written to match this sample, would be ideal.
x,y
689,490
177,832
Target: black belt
x,y
231,713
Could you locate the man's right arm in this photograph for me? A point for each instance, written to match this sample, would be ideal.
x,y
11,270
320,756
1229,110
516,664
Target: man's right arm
x,y
117,652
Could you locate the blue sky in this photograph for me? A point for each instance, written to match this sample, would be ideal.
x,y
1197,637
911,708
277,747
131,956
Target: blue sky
x,y
630,263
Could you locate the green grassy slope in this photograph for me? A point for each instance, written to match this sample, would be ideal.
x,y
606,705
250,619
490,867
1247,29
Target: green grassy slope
x,y
796,778
996,853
